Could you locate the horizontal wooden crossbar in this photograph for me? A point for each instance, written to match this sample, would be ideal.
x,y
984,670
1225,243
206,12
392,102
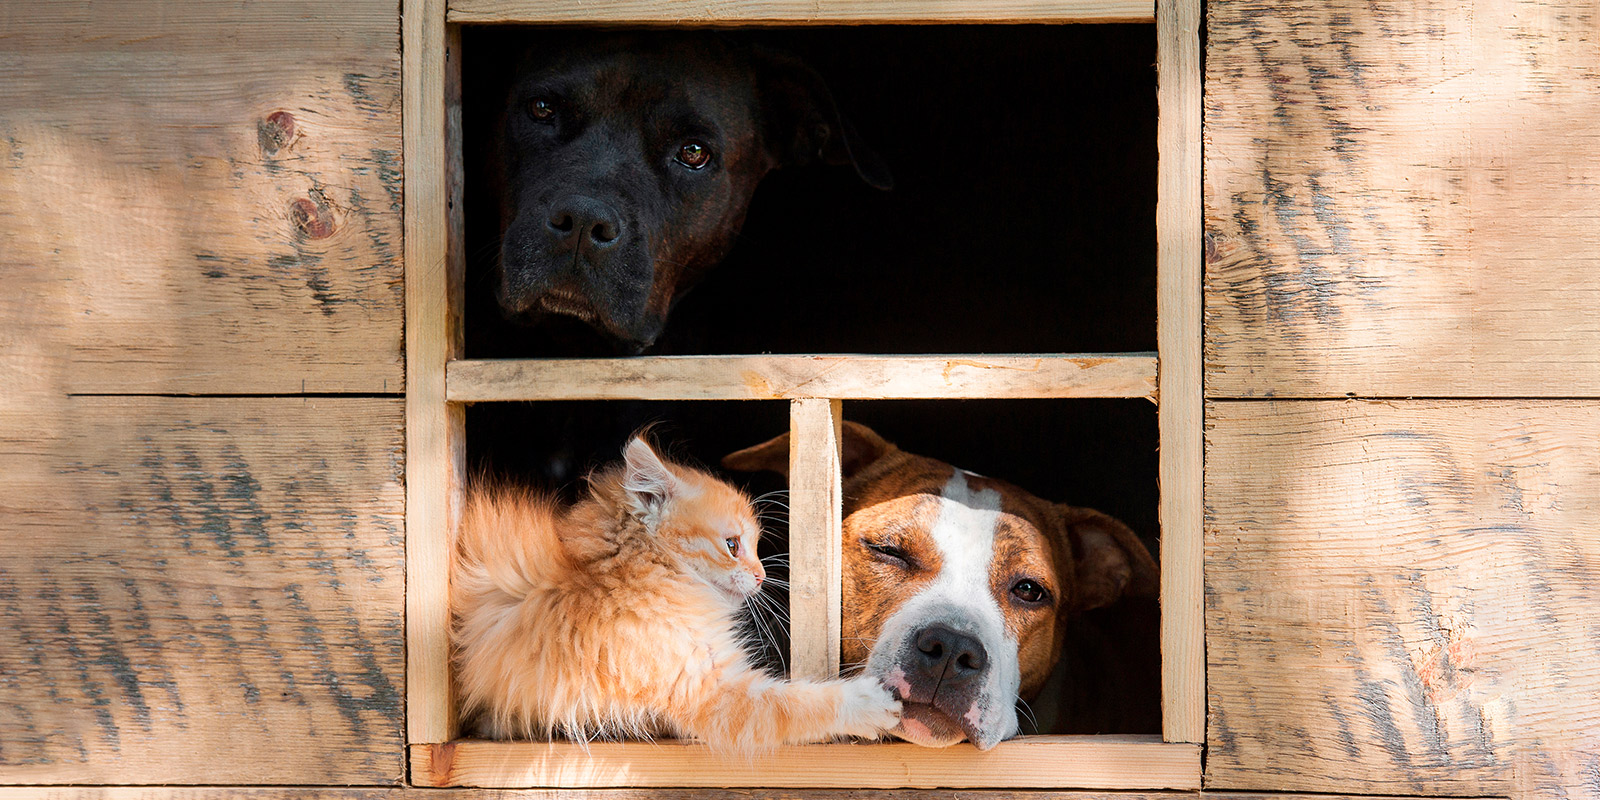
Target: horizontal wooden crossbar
x,y
800,12
1079,762
842,377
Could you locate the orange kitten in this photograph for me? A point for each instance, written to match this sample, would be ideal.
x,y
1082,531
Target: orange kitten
x,y
617,617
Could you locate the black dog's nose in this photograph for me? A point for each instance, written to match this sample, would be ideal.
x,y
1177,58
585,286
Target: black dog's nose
x,y
584,221
941,645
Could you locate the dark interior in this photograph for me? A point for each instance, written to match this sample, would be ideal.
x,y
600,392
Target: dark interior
x,y
1022,220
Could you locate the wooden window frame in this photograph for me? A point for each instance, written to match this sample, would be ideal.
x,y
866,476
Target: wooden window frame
x,y
439,384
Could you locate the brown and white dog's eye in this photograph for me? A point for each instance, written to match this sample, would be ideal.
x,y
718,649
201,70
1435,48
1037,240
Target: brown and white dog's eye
x,y
1029,591
889,554
694,155
733,546
542,109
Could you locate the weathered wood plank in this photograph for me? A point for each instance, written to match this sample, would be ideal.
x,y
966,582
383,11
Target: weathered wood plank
x,y
816,582
200,590
435,429
800,12
848,377
1401,596
1181,414
1401,198
326,793
207,194
407,793
1089,762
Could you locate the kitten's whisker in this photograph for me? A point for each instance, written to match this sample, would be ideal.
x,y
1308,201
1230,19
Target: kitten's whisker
x,y
763,633
755,604
778,615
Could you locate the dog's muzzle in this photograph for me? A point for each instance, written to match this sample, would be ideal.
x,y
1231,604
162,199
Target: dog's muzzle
x,y
576,257
948,686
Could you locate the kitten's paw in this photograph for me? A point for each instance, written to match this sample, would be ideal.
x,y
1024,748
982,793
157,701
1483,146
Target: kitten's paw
x,y
867,709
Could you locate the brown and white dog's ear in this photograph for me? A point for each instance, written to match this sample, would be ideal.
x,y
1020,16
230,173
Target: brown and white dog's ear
x,y
862,446
771,455
803,124
1108,559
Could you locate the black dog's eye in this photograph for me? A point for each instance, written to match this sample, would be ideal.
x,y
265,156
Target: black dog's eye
x,y
1029,591
542,109
890,554
694,155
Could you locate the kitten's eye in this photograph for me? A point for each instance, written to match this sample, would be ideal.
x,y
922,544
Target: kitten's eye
x,y
542,109
1029,591
733,546
889,554
694,155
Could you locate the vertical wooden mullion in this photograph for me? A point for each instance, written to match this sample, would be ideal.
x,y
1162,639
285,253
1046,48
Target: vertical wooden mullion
x,y
1178,336
814,530
434,428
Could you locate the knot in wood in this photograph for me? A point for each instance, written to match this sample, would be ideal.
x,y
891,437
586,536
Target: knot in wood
x,y
313,220
275,132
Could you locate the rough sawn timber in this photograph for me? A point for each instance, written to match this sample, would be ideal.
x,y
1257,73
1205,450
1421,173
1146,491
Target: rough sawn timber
x,y
201,197
799,12
1403,198
1401,595
1178,327
1089,762
816,588
783,377
331,793
201,590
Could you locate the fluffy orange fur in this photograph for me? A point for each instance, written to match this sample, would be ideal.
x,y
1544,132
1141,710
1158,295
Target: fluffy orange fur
x,y
617,617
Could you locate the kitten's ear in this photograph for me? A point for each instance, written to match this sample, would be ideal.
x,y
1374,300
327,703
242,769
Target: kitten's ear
x,y
646,477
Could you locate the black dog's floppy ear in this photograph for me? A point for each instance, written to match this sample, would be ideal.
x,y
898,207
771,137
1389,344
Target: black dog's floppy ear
x,y
1108,560
862,446
802,123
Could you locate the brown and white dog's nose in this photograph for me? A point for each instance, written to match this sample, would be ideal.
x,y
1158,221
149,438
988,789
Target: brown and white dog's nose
x,y
949,655
584,222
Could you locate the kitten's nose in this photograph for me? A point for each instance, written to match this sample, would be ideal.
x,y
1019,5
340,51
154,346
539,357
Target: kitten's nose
x,y
759,579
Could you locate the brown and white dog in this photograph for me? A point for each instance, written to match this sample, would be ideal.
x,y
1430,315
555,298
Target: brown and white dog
x,y
958,588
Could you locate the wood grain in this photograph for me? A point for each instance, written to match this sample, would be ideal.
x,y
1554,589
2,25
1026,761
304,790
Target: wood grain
x,y
411,793
435,429
1401,198
848,377
200,590
799,12
816,576
1181,414
205,195
1401,596
1063,761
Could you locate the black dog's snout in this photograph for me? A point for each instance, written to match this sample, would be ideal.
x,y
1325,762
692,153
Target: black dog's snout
x,y
941,646
579,221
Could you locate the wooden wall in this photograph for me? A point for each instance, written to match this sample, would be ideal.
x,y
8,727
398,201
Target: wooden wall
x,y
200,198
1401,203
201,434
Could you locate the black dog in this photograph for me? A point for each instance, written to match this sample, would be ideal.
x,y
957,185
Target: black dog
x,y
626,163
